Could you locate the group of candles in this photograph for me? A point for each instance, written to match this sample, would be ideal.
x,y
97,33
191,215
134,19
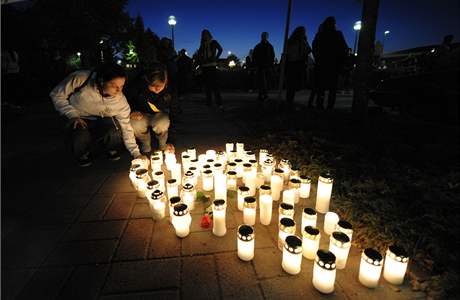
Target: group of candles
x,y
219,172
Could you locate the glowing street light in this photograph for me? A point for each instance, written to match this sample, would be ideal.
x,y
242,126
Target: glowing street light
x,y
229,52
78,54
387,32
172,22
356,28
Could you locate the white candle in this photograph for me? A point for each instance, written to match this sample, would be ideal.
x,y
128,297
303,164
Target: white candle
x,y
286,210
188,195
370,268
294,185
251,183
202,160
157,205
339,244
260,180
247,169
156,163
211,154
192,153
286,227
305,185
160,177
239,167
323,196
176,172
267,169
186,162
240,150
231,166
151,186
309,217
173,201
181,220
285,165
144,163
220,186
189,177
228,148
249,211
345,227
159,153
396,260
232,155
195,177
132,174
262,156
231,180
243,192
218,218
218,168
170,160
295,173
330,222
292,255
142,177
324,271
310,238
277,186
208,180
221,157
289,196
245,242
172,188
265,209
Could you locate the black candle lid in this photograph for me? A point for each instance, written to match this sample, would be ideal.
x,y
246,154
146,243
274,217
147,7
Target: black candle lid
x,y
232,164
217,165
135,166
340,239
206,166
210,160
397,252
325,259
344,224
219,202
188,186
245,231
265,187
156,158
305,177
174,200
231,173
190,148
372,256
287,222
309,211
278,170
243,188
159,173
250,199
294,181
157,195
250,152
192,169
151,184
188,173
286,206
172,180
207,172
268,161
326,175
293,244
194,161
186,156
311,230
141,172
220,152
238,160
249,202
253,161
247,165
180,209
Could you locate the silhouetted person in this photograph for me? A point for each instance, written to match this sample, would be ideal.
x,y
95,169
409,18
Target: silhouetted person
x,y
329,50
208,54
249,64
298,50
263,58
184,72
314,82
167,56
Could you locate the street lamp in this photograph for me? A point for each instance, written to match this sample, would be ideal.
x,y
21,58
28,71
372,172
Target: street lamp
x,y
356,28
387,32
172,22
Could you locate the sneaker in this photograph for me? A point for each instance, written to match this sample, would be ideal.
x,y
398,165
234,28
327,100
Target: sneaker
x,y
113,155
85,160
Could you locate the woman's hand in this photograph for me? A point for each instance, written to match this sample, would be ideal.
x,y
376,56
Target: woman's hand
x,y
170,148
136,115
78,123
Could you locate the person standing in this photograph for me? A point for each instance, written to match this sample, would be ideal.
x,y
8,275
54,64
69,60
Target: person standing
x,y
263,59
208,55
184,72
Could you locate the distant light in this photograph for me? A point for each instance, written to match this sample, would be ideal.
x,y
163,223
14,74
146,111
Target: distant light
x,y
386,32
229,52
101,42
357,26
186,53
119,61
172,20
232,64
356,54
433,50
78,54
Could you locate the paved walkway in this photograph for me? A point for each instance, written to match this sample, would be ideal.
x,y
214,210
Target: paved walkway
x,y
72,233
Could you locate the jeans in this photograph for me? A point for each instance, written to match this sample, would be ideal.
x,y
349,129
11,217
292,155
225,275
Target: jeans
x,y
262,82
103,130
159,122
211,86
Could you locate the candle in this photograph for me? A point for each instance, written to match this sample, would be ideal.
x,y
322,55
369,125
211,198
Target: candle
x,y
173,201
194,163
286,210
160,177
141,161
396,261
267,169
170,160
202,160
228,148
181,220
218,218
249,211
324,271
370,268
243,192
295,172
157,204
339,244
323,196
289,196
260,180
345,227
220,186
232,155
245,242
186,162
310,239
277,184
240,150
285,165
189,177
330,222
211,154
196,175
192,153
156,163
218,168
188,195
255,164
251,183
172,188
208,180
286,227
132,174
305,184
231,180
309,217
250,155
221,157
262,156
142,177
265,200
294,185
176,172
247,169
292,255
159,154
239,167
231,166
151,186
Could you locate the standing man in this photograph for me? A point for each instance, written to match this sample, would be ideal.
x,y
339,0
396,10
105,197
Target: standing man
x,y
263,59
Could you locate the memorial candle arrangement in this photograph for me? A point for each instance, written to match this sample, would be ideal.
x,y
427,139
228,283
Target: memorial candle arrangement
x,y
160,177
285,165
277,184
181,220
172,202
243,192
330,222
294,186
245,242
305,185
286,227
396,261
339,244
142,177
370,268
218,212
309,217
323,196
157,204
151,186
324,271
286,210
310,241
249,211
207,180
266,204
172,187
220,186
188,195
345,227
231,181
292,255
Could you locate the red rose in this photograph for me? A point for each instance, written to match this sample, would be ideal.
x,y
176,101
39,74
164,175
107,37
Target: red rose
x,y
205,221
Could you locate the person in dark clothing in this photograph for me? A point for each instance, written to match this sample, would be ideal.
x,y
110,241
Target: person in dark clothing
x,y
184,72
208,54
151,110
298,50
263,58
249,66
329,50
314,82
167,56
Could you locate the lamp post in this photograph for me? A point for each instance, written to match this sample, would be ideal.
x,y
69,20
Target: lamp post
x,y
387,32
356,28
172,22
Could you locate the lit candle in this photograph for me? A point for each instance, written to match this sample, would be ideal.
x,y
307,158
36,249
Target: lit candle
x,y
192,153
221,157
245,242
330,222
220,186
132,174
188,195
295,172
249,211
156,163
396,261
250,155
157,204
151,186
208,180
228,148
292,255
173,201
247,169
231,166
255,164
240,150
218,168
309,217
160,177
196,175
262,156
218,217
189,177
324,271
172,187
231,180
345,227
239,167
286,227
305,184
141,161
277,184
251,183
267,169
289,196
232,156
181,220
294,185
202,160
142,177
170,160
286,210
310,239
194,163
260,180
211,154
176,172
339,244
265,200
285,165
243,192
323,196
185,161
370,268
159,153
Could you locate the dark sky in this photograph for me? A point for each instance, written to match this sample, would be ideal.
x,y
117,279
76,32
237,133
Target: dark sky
x,y
237,24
